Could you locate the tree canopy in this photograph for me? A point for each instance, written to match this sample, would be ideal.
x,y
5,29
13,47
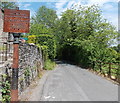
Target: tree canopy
x,y
8,5
82,35
45,16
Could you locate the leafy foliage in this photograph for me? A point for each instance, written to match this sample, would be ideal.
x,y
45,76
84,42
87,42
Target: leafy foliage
x,y
42,29
46,42
49,41
45,16
8,5
37,29
117,48
49,65
5,89
84,36
81,34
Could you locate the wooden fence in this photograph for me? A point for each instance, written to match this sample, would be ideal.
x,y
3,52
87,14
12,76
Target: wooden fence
x,y
110,70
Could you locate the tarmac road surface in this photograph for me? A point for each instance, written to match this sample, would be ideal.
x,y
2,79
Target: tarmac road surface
x,y
71,83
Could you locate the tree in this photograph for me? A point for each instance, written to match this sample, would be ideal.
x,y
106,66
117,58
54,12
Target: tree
x,y
8,5
83,35
42,30
117,48
45,16
37,29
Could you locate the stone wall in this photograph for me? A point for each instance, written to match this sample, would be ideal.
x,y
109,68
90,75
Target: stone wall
x,y
3,35
3,41
30,66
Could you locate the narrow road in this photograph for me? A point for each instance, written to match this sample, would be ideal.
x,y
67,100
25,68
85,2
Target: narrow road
x,y
71,83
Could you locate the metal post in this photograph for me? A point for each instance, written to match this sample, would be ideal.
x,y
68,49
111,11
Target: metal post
x,y
14,84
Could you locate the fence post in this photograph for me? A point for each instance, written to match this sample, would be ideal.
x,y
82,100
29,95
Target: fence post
x,y
100,67
118,74
109,71
93,65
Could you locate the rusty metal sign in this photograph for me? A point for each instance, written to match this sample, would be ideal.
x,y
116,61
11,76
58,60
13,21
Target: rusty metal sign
x,y
16,21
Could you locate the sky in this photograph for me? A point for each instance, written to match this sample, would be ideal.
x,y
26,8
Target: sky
x,y
109,7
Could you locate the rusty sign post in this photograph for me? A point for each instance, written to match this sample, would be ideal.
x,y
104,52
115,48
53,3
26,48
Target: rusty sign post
x,y
16,22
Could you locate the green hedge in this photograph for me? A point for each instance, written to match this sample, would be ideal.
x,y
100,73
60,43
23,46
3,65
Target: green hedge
x,y
45,40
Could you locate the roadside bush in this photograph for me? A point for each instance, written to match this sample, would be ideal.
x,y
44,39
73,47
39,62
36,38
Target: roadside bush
x,y
49,65
47,41
32,39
